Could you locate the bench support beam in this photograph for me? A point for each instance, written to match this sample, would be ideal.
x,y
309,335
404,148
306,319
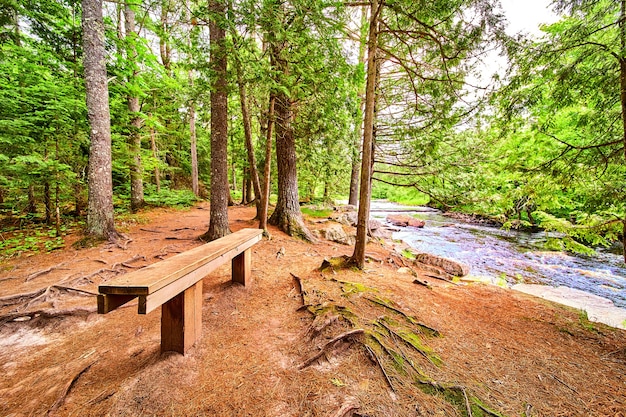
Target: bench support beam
x,y
181,320
241,267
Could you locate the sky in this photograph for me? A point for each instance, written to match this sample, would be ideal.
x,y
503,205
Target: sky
x,y
527,15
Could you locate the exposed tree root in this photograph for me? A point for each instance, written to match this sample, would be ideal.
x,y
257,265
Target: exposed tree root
x,y
127,263
347,409
45,271
47,314
152,230
68,387
377,361
324,348
392,338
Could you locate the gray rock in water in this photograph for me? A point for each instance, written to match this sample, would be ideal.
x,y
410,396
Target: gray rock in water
x,y
449,266
335,233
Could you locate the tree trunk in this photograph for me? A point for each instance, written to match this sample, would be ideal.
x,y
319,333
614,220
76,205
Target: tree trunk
x,y
622,68
265,194
287,215
250,196
245,114
164,46
358,257
358,121
244,189
220,194
155,155
100,223
194,145
47,199
32,202
134,137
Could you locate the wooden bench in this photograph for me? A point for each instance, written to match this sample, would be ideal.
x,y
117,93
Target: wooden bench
x,y
175,284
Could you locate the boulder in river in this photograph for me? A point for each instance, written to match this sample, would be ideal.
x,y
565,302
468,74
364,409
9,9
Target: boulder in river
x,y
404,220
447,265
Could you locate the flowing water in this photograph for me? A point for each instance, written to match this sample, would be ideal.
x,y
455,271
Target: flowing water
x,y
510,257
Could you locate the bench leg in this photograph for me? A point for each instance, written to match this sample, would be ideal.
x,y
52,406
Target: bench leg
x,y
181,320
241,267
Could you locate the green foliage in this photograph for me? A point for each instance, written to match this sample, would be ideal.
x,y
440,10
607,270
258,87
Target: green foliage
x,y
316,212
171,198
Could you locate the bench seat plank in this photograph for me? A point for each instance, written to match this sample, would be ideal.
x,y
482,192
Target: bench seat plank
x,y
203,259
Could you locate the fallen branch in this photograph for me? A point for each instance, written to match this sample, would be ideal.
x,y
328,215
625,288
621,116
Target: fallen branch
x,y
318,355
68,387
182,228
567,386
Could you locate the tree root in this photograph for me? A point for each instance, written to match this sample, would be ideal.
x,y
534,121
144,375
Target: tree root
x,y
68,387
324,348
347,409
45,271
47,314
377,361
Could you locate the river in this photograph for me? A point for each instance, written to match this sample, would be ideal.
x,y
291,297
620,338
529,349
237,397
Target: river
x,y
509,257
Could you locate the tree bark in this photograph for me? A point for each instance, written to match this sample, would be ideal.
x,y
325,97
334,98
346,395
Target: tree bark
x,y
287,215
247,129
155,155
358,122
358,257
220,194
134,137
100,223
194,145
32,202
267,170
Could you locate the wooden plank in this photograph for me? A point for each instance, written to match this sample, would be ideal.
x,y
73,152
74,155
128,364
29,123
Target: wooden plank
x,y
193,315
181,320
109,302
155,277
173,325
242,267
150,302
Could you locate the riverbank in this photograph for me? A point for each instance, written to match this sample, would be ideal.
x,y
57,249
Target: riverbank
x,y
509,352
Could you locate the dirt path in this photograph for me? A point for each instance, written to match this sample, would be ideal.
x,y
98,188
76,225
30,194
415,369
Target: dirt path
x,y
518,355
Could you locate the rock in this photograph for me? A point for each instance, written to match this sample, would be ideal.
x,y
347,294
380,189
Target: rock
x,y
404,270
404,220
347,218
335,233
449,266
345,208
374,225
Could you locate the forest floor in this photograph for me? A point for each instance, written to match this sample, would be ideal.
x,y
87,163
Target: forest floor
x,y
402,349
